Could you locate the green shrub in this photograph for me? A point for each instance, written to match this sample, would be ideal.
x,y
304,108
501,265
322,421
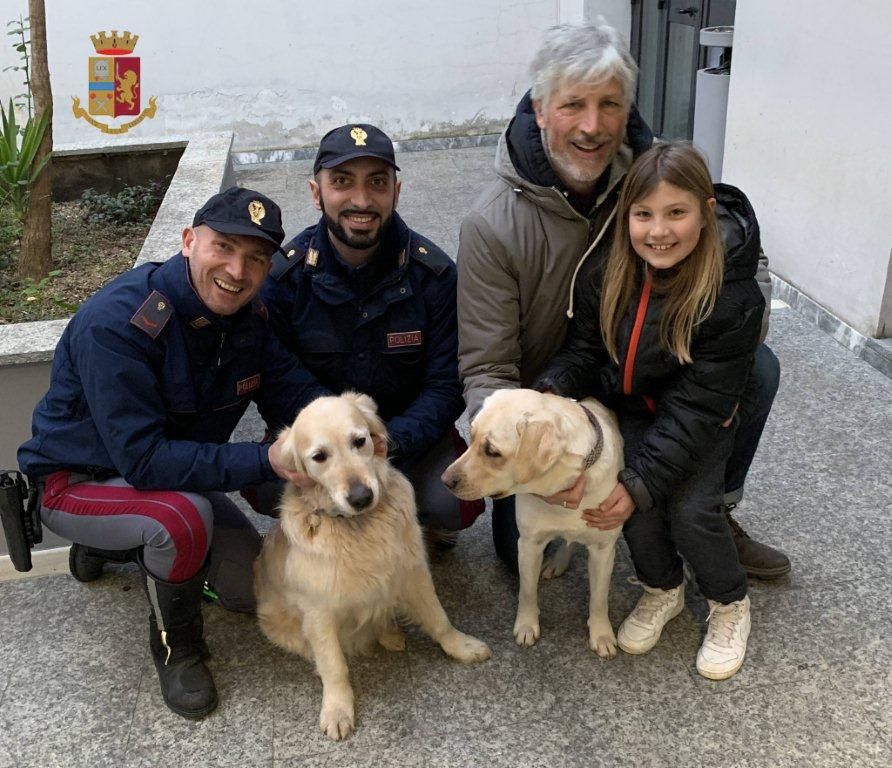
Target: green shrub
x,y
132,204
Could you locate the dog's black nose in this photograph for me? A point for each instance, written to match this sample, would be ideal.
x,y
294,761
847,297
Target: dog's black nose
x,y
359,496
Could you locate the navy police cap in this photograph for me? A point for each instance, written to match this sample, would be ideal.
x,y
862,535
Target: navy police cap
x,y
238,211
351,141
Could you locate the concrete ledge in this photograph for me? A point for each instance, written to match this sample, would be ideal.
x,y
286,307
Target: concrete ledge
x,y
875,352
22,343
204,169
406,145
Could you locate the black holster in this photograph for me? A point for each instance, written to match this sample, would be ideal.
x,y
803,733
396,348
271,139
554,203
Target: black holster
x,y
20,515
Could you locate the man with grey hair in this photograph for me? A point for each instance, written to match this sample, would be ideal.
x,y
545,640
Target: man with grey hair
x,y
560,165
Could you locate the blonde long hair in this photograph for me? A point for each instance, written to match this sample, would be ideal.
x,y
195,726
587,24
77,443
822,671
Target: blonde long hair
x,y
692,288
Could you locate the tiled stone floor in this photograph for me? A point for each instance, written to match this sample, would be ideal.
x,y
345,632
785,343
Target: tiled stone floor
x,y
77,687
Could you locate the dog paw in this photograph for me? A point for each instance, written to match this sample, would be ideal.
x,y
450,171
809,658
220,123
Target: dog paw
x,y
602,641
394,639
526,633
336,721
467,649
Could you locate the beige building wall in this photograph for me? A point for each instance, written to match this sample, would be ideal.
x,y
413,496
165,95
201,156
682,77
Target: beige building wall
x,y
809,140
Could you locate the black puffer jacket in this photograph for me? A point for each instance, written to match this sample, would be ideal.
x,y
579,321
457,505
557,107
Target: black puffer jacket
x,y
689,402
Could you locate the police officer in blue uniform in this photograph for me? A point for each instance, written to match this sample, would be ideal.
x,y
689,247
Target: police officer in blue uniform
x,y
370,305
130,445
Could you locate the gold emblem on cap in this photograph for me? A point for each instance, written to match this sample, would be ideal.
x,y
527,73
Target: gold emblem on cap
x,y
256,211
161,306
291,253
359,136
422,249
312,257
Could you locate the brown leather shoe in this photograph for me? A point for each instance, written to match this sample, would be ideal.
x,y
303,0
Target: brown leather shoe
x,y
758,560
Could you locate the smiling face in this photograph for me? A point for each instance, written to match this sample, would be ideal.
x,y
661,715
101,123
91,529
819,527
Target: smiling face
x,y
583,125
665,225
357,199
227,271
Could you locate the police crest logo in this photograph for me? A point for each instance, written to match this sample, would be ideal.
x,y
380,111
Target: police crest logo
x,y
256,211
113,79
359,136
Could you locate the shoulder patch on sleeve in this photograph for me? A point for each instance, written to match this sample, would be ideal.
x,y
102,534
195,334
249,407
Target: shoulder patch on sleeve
x,y
429,255
287,259
153,315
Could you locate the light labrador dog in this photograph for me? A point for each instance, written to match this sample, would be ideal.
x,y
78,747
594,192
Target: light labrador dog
x,y
346,560
525,442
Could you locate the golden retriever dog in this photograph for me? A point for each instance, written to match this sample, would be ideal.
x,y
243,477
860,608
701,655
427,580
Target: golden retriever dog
x,y
525,442
346,560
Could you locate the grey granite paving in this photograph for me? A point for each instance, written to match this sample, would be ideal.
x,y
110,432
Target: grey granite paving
x,y
77,687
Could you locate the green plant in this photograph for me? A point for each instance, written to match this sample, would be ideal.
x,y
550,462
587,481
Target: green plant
x,y
21,28
32,290
138,203
18,170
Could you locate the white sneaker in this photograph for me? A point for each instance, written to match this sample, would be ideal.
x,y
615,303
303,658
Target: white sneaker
x,y
724,646
644,625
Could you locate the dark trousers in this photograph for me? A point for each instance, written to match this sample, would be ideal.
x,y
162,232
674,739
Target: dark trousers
x,y
755,405
689,523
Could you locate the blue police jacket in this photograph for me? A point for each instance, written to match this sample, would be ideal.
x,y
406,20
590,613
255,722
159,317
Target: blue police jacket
x,y
387,329
148,383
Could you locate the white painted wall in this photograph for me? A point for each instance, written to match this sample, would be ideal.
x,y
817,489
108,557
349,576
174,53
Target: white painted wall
x,y
617,13
809,140
11,83
282,73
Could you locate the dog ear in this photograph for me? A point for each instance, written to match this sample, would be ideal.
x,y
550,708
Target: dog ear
x,y
537,451
288,454
369,411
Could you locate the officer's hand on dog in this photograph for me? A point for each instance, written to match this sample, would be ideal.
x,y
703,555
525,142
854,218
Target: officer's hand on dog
x,y
612,512
300,479
570,497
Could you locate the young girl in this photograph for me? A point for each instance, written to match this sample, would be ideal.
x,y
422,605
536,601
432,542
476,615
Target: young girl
x,y
665,333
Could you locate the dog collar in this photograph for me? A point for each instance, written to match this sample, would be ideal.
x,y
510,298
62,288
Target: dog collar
x,y
596,449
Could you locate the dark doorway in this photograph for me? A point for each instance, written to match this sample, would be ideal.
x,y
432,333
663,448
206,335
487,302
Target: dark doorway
x,y
666,44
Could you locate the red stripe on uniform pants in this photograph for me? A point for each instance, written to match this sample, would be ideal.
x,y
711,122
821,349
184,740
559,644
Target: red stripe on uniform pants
x,y
172,510
468,510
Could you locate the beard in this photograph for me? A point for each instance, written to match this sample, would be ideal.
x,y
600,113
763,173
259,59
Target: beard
x,y
361,241
570,171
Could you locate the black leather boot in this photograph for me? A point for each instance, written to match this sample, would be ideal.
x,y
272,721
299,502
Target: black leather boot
x,y
85,563
758,560
178,650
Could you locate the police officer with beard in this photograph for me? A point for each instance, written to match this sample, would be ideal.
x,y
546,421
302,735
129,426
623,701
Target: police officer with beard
x,y
369,305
